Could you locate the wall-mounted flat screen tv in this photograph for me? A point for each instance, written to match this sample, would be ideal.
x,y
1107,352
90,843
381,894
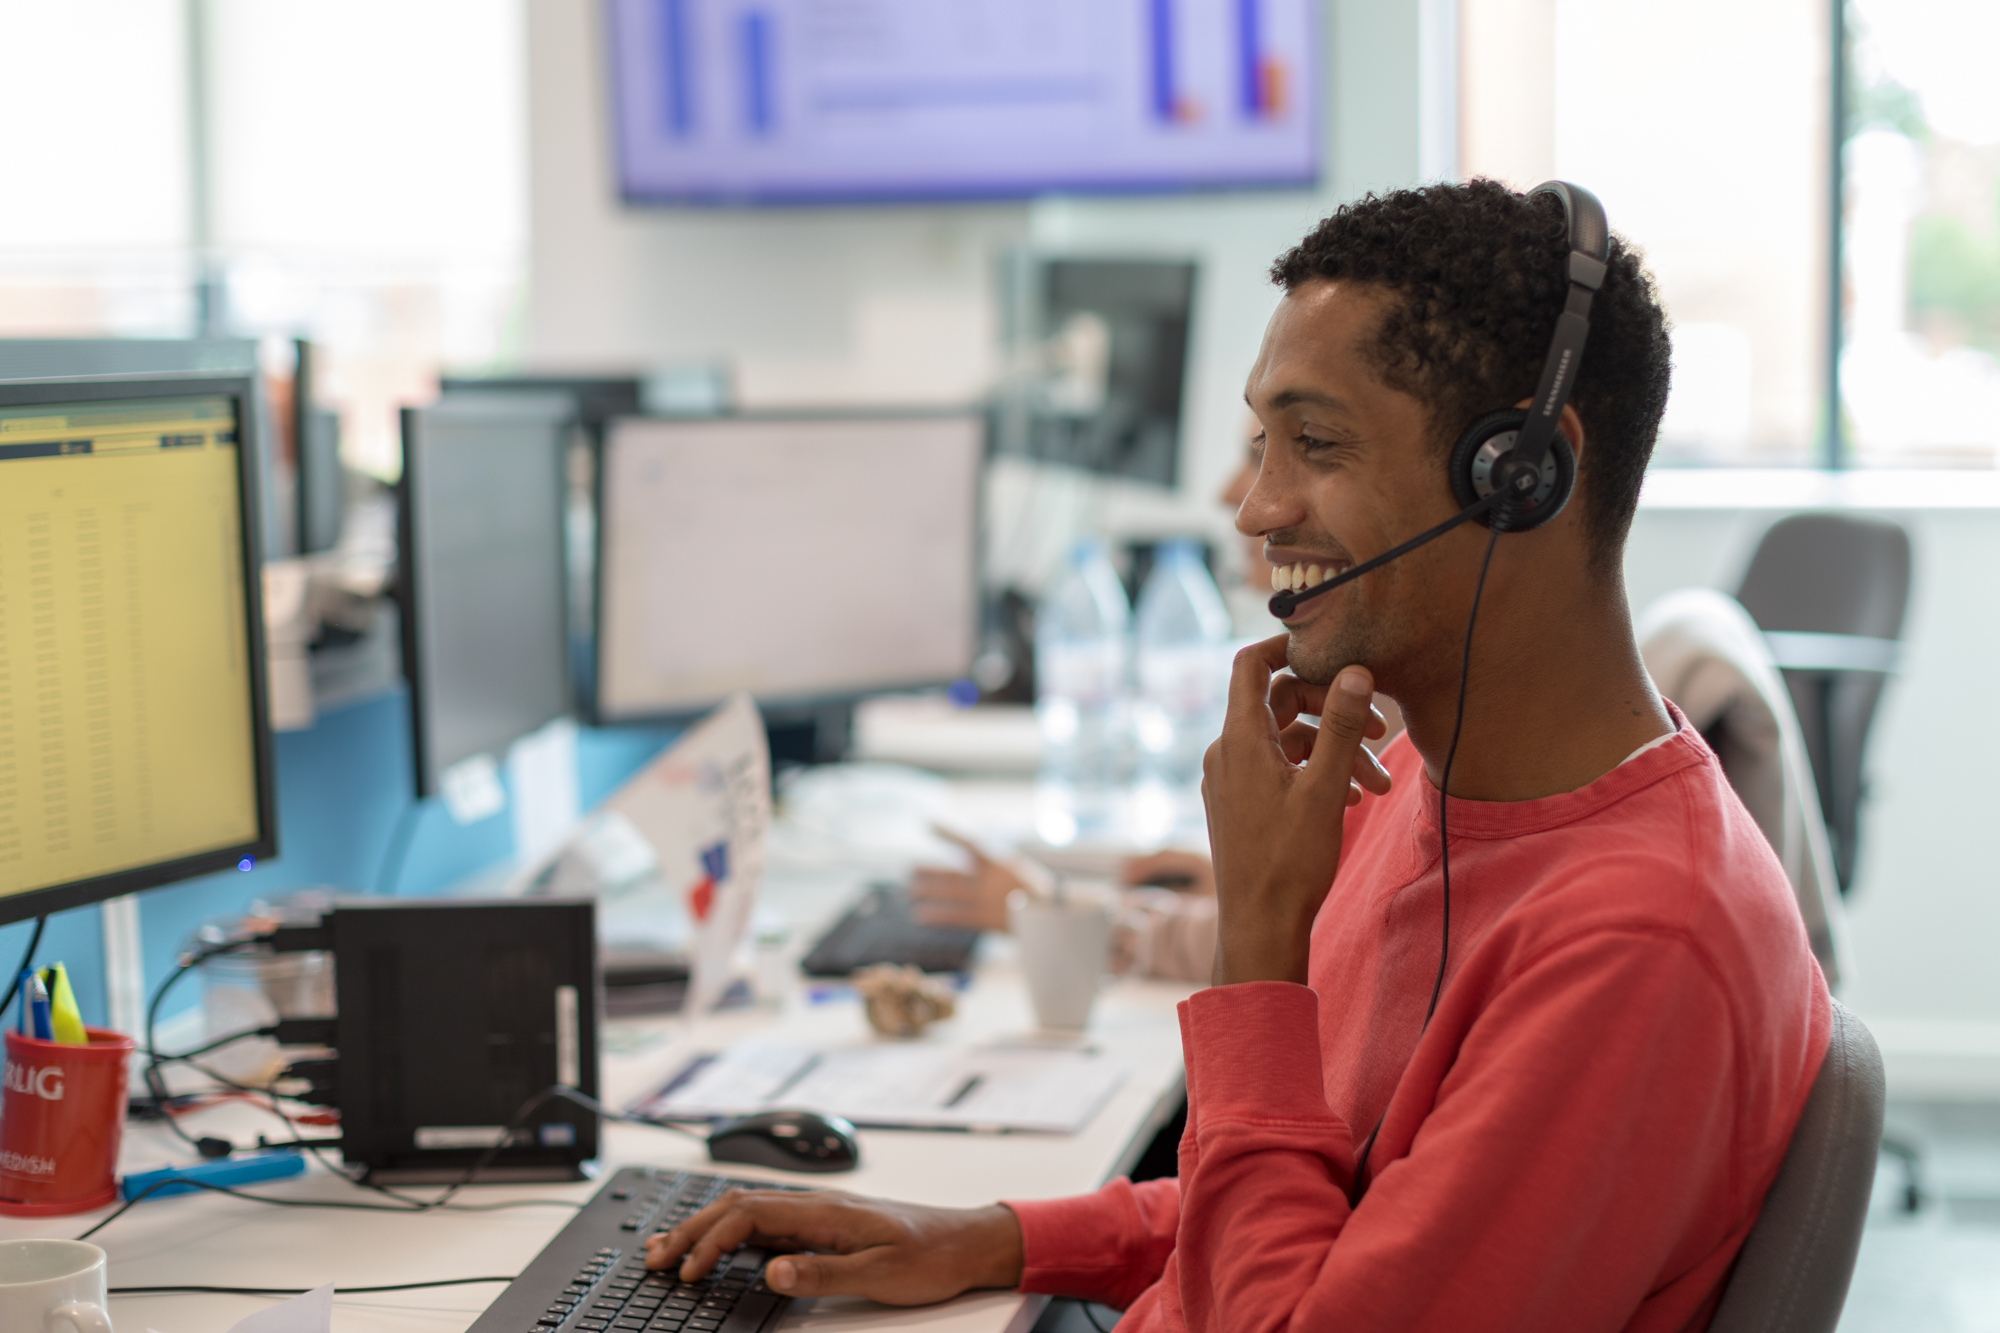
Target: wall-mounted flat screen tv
x,y
829,101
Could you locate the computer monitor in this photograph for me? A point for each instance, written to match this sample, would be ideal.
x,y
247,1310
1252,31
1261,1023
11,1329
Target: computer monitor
x,y
135,749
66,358
1112,338
485,645
598,398
803,559
320,479
746,101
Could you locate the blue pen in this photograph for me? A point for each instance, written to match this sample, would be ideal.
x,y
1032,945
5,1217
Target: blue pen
x,y
38,1005
22,1022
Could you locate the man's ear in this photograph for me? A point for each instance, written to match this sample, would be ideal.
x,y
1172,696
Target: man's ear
x,y
1571,425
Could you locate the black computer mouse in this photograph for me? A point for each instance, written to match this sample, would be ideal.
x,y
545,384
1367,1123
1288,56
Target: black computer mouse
x,y
787,1140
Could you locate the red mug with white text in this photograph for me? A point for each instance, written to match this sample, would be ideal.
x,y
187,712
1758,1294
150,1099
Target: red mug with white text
x,y
60,1120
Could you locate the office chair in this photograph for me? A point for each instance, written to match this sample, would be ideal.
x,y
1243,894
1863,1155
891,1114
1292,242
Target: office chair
x,y
1705,653
1791,1275
1829,591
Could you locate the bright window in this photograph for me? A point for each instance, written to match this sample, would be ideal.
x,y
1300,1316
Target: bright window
x,y
366,188
93,169
1703,125
1920,370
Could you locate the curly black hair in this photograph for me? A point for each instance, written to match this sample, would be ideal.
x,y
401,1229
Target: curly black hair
x,y
1478,276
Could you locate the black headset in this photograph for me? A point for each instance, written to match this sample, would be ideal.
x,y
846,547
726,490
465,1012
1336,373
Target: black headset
x,y
1513,470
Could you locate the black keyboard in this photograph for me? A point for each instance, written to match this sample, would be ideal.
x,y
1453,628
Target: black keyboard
x,y
880,929
592,1277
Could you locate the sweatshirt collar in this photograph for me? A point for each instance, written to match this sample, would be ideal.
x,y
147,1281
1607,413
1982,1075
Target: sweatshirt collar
x,y
1680,749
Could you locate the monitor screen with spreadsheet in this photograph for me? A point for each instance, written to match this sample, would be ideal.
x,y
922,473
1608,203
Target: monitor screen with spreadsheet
x,y
808,101
134,748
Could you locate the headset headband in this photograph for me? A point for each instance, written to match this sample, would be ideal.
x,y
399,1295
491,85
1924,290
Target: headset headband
x,y
1589,249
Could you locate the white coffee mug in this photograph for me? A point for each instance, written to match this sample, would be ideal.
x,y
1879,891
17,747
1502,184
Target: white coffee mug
x,y
1065,950
52,1286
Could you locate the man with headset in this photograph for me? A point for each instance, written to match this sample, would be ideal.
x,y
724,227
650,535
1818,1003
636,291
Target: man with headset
x,y
1525,1058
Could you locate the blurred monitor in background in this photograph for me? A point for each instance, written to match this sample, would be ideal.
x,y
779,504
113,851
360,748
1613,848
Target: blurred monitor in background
x,y
485,643
596,398
321,480
1100,352
806,560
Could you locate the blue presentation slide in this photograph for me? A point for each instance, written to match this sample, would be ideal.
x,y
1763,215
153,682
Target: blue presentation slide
x,y
800,101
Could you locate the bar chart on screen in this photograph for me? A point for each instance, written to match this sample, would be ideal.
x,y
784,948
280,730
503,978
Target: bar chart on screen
x,y
783,101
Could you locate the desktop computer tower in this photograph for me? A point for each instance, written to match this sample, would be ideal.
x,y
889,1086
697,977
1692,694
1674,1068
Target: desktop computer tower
x,y
451,1016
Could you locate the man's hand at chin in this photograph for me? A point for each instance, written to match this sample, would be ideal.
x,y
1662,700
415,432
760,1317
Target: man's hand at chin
x,y
1275,787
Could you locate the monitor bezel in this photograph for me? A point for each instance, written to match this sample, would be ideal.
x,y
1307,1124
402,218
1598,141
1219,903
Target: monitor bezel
x,y
776,707
242,390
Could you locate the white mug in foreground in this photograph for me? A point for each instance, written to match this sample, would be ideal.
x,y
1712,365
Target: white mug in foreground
x,y
52,1286
1065,949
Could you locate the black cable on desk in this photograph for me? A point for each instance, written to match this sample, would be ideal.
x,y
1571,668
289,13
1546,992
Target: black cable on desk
x,y
300,1291
174,1057
154,1085
403,1202
234,1193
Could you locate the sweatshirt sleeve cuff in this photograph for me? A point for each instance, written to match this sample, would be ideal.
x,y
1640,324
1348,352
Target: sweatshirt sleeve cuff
x,y
1069,1245
1253,1050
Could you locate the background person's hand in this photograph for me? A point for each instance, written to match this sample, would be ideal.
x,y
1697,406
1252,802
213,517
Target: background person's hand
x,y
1183,872
895,1253
941,896
1275,788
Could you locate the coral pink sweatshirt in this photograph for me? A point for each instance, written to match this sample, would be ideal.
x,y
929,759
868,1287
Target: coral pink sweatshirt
x,y
1630,1023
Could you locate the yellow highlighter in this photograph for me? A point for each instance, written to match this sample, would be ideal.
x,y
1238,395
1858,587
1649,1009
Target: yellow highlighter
x,y
65,1023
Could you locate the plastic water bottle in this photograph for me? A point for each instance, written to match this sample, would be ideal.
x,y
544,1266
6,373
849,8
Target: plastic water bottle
x,y
1182,641
1080,681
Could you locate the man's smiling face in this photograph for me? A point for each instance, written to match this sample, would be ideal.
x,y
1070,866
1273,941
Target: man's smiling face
x,y
1350,467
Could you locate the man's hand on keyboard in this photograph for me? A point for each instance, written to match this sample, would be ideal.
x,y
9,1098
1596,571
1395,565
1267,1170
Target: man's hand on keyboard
x,y
842,1245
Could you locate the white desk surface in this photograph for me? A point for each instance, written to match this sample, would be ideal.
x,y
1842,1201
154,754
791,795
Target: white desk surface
x,y
216,1240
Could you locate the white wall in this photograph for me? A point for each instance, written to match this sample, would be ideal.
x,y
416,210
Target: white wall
x,y
1924,912
896,304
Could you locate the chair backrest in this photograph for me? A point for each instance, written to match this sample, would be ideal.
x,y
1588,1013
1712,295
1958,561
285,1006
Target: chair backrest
x,y
1832,574
1791,1275
1706,654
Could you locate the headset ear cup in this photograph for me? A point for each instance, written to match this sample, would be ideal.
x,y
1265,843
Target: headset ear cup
x,y
1527,520
1467,449
1465,465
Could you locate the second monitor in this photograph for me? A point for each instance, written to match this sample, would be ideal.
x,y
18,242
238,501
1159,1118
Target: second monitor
x,y
485,644
799,558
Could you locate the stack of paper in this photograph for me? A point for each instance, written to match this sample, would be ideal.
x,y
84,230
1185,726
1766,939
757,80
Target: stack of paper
x,y
885,1086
